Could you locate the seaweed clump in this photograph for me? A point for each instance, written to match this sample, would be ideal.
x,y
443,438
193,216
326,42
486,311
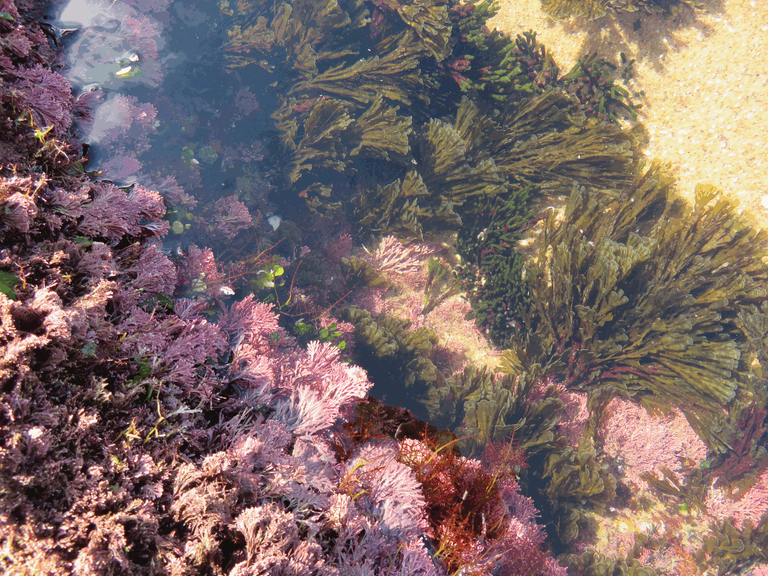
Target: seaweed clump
x,y
637,295
453,167
592,563
489,67
483,407
491,269
732,551
372,123
566,482
593,9
397,357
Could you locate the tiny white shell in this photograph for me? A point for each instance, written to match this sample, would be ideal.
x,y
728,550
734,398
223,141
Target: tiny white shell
x,y
274,221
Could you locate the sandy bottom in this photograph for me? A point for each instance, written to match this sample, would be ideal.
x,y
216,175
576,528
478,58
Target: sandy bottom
x,y
703,77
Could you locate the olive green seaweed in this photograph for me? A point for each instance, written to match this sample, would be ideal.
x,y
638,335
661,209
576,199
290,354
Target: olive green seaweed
x,y
441,284
596,84
331,135
321,143
429,20
453,167
753,322
379,132
636,294
354,93
395,207
446,165
362,272
539,141
392,351
593,9
394,75
728,550
692,490
575,482
483,407
592,563
303,31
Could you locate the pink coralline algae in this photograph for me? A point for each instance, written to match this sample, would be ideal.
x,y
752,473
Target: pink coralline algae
x,y
747,506
17,212
390,489
173,350
199,274
174,194
316,389
299,512
121,127
46,95
123,119
644,443
153,272
227,217
141,33
112,213
251,321
45,322
121,166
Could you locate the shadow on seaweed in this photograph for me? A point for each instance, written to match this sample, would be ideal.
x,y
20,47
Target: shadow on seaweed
x,y
647,38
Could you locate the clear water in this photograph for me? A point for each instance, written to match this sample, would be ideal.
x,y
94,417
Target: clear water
x,y
166,106
168,114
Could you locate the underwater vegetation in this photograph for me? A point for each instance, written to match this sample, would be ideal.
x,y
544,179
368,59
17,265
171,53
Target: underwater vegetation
x,y
596,8
399,357
637,295
373,92
410,129
164,413
491,270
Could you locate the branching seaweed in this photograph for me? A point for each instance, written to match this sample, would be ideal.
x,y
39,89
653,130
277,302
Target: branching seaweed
x,y
540,142
593,9
636,295
397,358
491,268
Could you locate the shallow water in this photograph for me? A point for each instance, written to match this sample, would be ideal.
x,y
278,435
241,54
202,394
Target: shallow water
x,y
171,116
